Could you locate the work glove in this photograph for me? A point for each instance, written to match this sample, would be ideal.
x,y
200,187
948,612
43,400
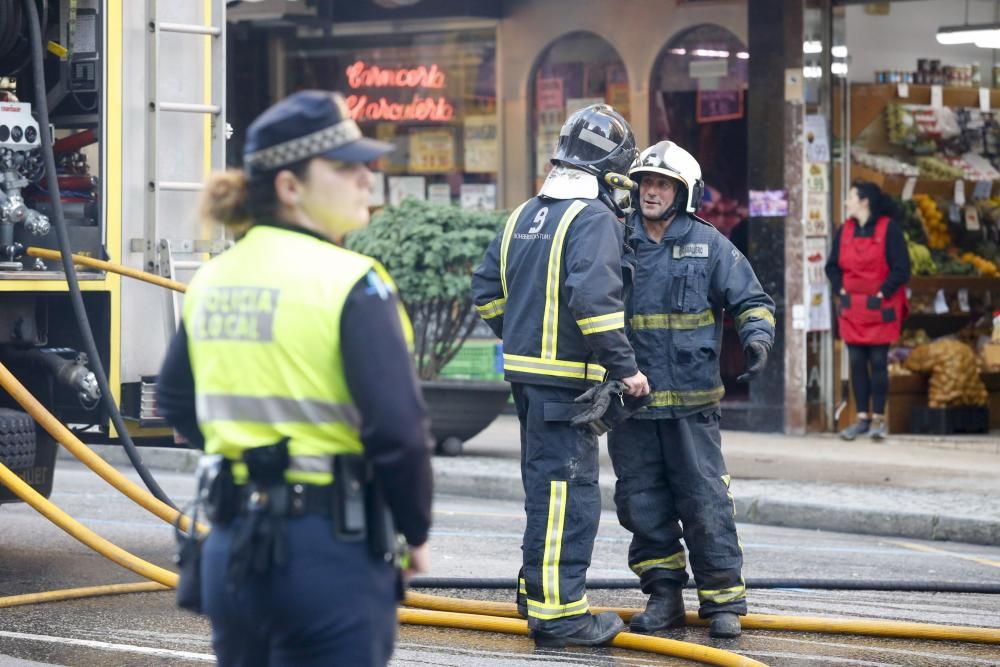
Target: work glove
x,y
609,406
756,358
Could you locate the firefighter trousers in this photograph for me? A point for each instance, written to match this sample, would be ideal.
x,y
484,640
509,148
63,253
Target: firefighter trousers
x,y
672,483
562,503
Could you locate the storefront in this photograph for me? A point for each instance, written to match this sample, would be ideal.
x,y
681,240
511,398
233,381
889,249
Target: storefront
x,y
474,94
914,101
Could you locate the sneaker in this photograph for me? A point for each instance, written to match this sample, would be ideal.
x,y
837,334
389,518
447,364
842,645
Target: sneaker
x,y
879,430
600,629
724,625
859,427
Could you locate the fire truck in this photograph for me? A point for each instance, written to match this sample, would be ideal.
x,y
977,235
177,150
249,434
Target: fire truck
x,y
129,96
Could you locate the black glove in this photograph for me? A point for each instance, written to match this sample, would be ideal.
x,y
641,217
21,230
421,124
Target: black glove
x,y
609,406
756,358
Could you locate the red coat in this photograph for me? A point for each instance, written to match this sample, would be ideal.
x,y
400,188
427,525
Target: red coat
x,y
865,319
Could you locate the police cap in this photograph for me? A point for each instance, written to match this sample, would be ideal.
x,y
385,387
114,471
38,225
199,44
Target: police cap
x,y
307,124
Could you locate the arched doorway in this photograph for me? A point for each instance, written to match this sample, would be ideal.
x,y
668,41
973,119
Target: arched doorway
x,y
574,71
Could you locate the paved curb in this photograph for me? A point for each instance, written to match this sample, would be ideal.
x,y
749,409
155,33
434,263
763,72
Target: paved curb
x,y
498,479
757,509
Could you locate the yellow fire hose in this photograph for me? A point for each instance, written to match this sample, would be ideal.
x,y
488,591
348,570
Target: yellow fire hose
x,y
432,610
85,454
80,532
79,593
649,644
167,579
82,260
843,626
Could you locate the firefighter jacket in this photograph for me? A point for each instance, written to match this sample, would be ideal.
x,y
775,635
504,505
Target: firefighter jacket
x,y
682,286
550,286
264,370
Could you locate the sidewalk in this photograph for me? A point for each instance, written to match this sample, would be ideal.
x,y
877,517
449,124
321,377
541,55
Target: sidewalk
x,y
919,487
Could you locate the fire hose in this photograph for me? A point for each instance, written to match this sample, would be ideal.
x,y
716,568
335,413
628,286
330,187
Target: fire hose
x,y
437,611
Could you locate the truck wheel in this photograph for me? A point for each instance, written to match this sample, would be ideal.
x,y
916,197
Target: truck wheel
x,y
17,439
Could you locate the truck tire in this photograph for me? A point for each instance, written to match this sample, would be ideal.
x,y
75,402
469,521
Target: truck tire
x,y
17,439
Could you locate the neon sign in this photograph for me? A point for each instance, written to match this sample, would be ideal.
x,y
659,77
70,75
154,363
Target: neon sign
x,y
419,107
360,75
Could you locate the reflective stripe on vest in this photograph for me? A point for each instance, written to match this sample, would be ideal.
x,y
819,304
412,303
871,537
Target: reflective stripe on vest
x,y
273,410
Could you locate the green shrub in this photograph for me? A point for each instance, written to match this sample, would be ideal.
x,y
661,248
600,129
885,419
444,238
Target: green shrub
x,y
431,250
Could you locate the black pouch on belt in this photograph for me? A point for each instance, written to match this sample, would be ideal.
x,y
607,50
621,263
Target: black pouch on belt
x,y
210,475
350,479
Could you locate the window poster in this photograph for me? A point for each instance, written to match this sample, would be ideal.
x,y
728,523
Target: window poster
x,y
378,189
479,196
432,151
439,193
402,187
480,144
549,94
718,105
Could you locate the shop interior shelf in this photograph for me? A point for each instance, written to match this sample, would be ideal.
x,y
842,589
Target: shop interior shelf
x,y
971,283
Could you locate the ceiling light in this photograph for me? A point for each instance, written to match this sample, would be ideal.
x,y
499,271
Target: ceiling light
x,y
967,34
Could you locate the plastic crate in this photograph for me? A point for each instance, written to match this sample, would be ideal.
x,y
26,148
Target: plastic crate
x,y
475,360
943,421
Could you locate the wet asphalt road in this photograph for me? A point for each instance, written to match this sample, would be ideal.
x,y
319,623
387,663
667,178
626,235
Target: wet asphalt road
x,y
478,538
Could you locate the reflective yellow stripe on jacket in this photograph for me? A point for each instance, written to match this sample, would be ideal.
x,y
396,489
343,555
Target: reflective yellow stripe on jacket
x,y
673,320
555,367
671,398
609,322
754,314
550,321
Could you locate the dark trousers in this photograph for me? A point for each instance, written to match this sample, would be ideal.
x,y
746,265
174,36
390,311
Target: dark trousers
x,y
672,483
330,604
562,502
869,376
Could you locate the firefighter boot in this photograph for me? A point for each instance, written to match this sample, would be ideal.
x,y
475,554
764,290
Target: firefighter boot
x,y
664,609
724,625
599,629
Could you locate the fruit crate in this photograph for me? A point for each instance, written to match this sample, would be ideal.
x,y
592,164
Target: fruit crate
x,y
944,421
476,360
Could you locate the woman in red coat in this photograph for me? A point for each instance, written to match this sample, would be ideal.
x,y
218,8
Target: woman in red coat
x,y
869,267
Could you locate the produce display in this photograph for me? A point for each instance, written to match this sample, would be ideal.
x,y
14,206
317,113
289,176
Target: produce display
x,y
938,236
954,373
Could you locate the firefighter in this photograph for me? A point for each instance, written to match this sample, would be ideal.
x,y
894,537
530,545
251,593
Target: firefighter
x,y
672,479
550,287
292,363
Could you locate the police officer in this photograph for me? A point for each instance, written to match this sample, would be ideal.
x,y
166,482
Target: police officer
x,y
672,479
550,287
291,360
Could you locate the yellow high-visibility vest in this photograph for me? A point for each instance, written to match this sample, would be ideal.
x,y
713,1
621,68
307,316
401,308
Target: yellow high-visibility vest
x,y
263,327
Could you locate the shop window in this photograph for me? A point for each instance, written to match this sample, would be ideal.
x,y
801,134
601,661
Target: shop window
x,y
433,95
697,98
573,72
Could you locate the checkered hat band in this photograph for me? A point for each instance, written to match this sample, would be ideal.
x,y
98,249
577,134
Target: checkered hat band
x,y
300,148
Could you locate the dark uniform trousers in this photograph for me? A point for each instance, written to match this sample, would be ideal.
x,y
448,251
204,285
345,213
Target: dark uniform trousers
x,y
559,470
331,603
672,482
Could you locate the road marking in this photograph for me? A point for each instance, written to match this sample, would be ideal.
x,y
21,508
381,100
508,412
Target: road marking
x,y
106,646
942,552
